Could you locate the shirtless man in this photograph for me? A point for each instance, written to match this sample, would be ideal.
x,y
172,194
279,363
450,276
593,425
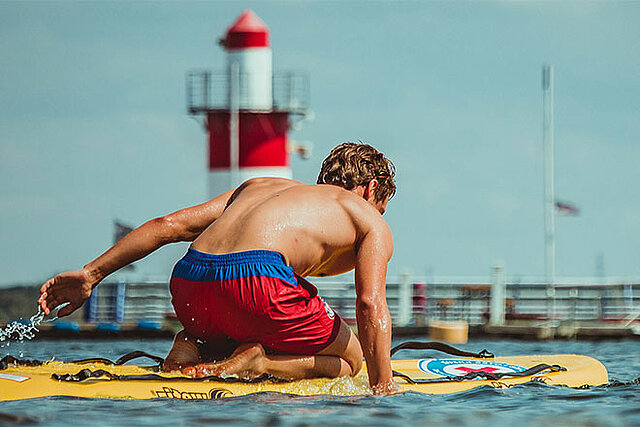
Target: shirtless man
x,y
240,289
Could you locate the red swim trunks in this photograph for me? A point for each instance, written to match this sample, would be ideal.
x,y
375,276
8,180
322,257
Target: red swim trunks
x,y
251,296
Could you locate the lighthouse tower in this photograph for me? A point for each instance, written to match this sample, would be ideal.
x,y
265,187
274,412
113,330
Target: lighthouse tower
x,y
246,109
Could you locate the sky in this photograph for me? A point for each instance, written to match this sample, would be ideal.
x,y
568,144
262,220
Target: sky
x,y
93,124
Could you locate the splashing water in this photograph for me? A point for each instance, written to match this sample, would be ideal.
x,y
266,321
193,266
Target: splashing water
x,y
19,330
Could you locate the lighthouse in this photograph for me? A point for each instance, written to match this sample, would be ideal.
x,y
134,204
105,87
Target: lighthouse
x,y
246,108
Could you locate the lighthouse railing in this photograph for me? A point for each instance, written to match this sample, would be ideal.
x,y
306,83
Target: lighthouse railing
x,y
208,90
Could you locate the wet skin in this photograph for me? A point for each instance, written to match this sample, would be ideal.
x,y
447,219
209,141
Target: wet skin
x,y
320,230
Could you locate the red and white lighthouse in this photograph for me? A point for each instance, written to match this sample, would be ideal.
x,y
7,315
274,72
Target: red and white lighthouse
x,y
246,109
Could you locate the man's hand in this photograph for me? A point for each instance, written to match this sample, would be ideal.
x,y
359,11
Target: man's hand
x,y
386,388
72,287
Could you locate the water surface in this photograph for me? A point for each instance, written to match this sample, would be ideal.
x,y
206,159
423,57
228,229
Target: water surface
x,y
524,405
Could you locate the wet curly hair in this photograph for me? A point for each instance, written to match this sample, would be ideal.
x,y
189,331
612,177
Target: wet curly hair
x,y
352,164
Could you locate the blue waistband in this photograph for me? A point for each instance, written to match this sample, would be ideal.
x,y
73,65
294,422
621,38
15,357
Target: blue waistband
x,y
198,266
235,258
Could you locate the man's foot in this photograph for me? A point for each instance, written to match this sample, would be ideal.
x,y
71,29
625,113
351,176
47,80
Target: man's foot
x,y
248,361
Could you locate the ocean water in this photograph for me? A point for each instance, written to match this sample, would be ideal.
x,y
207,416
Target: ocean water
x,y
524,405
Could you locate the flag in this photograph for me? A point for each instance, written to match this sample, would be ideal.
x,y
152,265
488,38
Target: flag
x,y
120,230
567,208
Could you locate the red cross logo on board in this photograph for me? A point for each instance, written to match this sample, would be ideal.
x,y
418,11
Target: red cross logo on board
x,y
486,369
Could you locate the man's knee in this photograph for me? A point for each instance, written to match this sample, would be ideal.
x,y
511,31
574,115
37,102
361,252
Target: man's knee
x,y
184,352
347,347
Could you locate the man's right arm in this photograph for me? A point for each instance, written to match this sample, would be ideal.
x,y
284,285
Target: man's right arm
x,y
75,287
181,226
372,313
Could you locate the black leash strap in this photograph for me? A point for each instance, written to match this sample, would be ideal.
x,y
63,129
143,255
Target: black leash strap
x,y
12,361
438,346
482,375
86,374
7,361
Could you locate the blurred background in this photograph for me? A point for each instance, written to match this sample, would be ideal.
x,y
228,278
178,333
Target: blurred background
x,y
94,126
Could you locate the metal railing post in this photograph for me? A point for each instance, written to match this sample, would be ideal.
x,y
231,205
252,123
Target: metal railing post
x,y
404,300
497,295
120,301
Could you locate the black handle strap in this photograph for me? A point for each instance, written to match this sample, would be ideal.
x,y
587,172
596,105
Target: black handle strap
x,y
93,360
138,354
482,375
438,346
124,359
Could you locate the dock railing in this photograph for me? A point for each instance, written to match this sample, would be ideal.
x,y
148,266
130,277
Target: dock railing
x,y
411,301
575,300
129,302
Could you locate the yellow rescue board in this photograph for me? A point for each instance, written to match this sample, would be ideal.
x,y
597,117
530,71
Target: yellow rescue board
x,y
25,382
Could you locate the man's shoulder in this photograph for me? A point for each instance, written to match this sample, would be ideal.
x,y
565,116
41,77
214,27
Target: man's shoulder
x,y
363,213
262,180
267,185
348,199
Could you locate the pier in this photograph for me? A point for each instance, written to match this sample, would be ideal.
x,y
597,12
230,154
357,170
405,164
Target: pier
x,y
493,307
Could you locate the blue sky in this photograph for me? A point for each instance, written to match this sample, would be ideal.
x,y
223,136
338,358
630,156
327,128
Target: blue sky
x,y
93,124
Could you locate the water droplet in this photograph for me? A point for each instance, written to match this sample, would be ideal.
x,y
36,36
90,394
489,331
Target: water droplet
x,y
20,330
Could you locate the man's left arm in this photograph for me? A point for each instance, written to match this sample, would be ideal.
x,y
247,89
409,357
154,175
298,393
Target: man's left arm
x,y
372,312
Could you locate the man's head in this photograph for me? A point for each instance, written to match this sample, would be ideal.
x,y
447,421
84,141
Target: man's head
x,y
351,165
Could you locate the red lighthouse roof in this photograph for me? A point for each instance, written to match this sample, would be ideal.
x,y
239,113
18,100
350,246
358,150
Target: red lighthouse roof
x,y
248,31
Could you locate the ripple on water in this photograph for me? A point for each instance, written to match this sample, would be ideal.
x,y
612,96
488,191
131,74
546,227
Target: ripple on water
x,y
532,404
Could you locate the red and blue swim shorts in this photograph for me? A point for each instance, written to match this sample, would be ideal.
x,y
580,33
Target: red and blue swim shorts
x,y
251,296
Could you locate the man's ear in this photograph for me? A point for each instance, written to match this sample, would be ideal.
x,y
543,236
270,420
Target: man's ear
x,y
369,189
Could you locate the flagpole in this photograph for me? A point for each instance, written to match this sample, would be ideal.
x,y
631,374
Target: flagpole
x,y
549,205
234,120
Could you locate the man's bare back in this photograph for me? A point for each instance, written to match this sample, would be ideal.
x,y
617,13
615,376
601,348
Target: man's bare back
x,y
318,230
315,227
